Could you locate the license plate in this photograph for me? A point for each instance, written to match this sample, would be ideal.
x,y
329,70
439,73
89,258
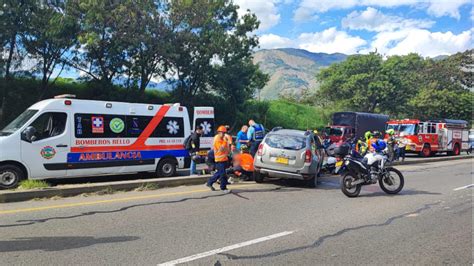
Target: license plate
x,y
202,153
282,160
339,164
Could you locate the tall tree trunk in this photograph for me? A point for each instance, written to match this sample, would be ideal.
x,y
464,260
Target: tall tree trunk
x,y
10,55
44,86
7,79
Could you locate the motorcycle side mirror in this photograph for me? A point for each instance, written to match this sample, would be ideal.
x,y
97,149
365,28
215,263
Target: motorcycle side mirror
x,y
28,134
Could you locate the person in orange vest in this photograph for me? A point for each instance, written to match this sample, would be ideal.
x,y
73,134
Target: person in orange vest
x,y
242,164
221,157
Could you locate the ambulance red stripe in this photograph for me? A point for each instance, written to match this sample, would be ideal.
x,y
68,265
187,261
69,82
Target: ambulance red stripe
x,y
139,144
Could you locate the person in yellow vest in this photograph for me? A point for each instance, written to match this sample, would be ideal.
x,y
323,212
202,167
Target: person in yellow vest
x,y
221,157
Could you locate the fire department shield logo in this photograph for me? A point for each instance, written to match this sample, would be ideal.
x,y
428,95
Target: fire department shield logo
x,y
48,152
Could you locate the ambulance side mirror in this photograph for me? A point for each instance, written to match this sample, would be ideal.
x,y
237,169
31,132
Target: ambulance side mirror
x,y
28,134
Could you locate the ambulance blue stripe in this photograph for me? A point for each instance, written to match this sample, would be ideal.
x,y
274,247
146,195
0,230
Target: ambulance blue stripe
x,y
80,157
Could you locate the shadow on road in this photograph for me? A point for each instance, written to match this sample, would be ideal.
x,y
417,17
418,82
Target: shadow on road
x,y
318,242
408,192
236,192
52,243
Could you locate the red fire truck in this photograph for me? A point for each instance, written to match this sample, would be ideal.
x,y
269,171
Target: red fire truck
x,y
429,137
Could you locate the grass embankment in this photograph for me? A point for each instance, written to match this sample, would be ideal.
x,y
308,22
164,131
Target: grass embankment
x,y
293,115
32,184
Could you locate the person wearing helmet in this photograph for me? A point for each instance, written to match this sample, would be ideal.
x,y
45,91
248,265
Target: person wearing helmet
x,y
221,157
363,145
379,145
391,144
371,158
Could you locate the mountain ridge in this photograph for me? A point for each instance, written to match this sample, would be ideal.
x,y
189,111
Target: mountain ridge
x,y
292,71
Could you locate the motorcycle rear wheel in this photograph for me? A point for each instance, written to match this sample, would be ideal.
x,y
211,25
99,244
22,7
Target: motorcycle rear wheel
x,y
388,182
346,188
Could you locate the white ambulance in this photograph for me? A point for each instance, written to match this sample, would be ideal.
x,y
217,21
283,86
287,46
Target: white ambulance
x,y
68,137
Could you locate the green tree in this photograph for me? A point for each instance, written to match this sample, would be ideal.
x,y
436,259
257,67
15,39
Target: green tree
x,y
148,44
50,34
14,16
356,83
211,46
101,54
445,89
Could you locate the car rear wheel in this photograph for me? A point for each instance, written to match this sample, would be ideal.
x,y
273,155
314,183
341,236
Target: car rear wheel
x,y
313,181
258,177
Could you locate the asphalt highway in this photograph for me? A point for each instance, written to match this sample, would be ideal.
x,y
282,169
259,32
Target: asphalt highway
x,y
275,223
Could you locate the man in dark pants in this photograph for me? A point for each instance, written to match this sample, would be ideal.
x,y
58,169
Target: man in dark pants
x,y
193,148
255,135
221,157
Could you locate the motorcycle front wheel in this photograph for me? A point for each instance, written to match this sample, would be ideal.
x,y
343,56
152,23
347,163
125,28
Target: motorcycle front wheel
x,y
392,181
347,188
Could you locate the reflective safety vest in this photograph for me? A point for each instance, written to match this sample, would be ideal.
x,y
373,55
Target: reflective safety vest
x,y
245,161
221,149
258,133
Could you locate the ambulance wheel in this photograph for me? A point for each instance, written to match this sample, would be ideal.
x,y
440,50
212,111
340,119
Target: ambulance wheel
x,y
166,167
10,176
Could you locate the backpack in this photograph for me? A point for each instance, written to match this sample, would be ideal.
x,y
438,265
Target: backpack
x,y
187,143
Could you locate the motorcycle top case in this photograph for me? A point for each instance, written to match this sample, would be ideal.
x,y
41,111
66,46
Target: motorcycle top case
x,y
342,150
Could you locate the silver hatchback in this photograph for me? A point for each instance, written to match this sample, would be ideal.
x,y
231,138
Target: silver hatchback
x,y
291,154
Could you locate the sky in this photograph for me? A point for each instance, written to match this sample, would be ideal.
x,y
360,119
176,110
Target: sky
x,y
390,27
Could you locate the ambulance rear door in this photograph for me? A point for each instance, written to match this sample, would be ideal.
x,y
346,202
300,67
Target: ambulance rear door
x,y
204,117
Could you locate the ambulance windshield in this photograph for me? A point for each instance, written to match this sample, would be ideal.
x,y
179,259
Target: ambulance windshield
x,y
18,122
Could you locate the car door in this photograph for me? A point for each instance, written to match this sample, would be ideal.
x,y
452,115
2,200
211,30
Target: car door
x,y
45,153
204,117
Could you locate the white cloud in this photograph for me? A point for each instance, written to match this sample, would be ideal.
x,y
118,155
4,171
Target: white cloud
x,y
330,41
266,11
372,19
327,41
450,8
272,41
420,41
437,8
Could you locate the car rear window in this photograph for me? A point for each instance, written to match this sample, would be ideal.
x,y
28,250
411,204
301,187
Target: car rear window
x,y
286,142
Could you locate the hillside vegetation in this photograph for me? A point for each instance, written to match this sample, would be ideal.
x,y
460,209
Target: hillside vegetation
x,y
292,72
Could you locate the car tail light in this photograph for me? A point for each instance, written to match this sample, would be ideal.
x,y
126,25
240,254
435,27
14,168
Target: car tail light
x,y
67,102
260,149
308,156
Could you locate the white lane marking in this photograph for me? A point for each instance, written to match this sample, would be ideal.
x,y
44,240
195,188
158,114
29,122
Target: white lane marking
x,y
224,249
459,188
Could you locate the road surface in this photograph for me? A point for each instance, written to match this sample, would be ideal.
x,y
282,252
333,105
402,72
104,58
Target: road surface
x,y
275,223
